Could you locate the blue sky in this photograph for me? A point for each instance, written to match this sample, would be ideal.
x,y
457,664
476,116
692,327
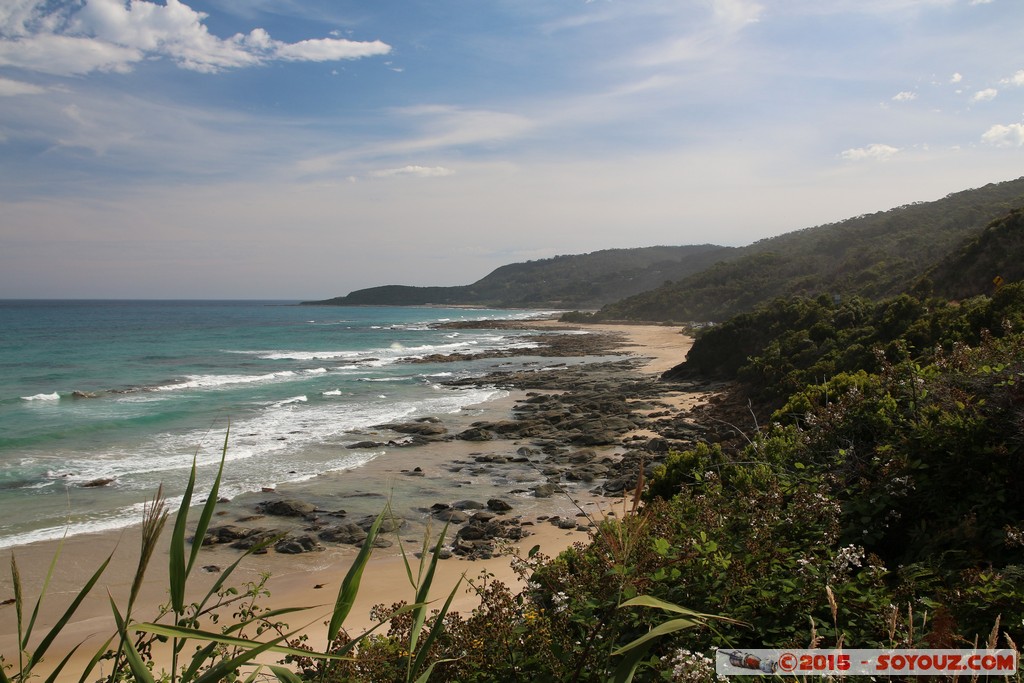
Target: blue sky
x,y
302,149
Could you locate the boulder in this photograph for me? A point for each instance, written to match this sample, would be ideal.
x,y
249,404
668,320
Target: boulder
x,y
364,444
287,508
583,456
452,515
544,490
349,533
498,505
425,427
475,434
297,544
258,537
228,534
596,438
96,483
387,525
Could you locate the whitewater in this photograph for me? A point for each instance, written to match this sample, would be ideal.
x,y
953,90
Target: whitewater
x,y
102,402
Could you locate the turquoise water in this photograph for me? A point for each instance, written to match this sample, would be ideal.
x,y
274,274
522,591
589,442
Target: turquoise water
x,y
133,390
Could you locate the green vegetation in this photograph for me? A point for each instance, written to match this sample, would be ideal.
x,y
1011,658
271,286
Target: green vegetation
x,y
781,347
971,268
894,451
578,281
872,256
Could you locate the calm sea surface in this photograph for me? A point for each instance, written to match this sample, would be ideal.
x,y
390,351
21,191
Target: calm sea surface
x,y
133,390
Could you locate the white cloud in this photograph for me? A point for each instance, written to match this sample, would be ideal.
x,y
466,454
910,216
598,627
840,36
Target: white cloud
x,y
9,88
416,171
956,78
904,96
873,152
1015,79
110,35
985,95
66,55
329,49
981,2
1005,136
737,13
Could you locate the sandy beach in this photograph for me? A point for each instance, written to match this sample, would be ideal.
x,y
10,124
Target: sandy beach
x,y
312,579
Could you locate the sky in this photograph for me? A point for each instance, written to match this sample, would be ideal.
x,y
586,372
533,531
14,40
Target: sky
x,y
298,149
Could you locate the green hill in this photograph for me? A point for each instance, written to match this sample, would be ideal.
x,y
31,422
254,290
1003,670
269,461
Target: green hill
x,y
942,245
875,255
973,268
579,281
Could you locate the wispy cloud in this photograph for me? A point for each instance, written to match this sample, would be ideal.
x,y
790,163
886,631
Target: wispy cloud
x,y
873,152
701,37
415,171
425,129
904,96
110,35
10,88
737,13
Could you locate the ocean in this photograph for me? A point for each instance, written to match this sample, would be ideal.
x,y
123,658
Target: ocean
x,y
133,391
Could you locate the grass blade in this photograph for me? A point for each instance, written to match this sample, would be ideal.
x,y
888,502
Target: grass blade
x,y
626,669
284,675
350,586
651,601
95,660
198,634
660,630
60,667
198,659
223,670
436,629
47,640
423,592
430,669
138,667
42,592
176,568
18,601
414,580
208,508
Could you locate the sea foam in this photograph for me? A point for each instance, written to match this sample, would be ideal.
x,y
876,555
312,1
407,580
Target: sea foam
x,y
42,397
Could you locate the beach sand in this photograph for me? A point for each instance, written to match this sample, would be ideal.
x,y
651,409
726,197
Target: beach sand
x,y
313,579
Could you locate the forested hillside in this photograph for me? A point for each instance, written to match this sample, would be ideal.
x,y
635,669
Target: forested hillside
x,y
576,281
955,247
997,252
873,256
